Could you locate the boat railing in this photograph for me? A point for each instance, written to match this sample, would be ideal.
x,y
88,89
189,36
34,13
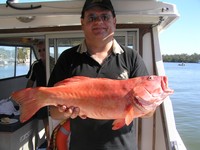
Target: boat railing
x,y
176,142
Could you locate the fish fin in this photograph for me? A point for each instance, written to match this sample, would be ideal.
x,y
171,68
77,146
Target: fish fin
x,y
118,123
71,80
28,104
129,115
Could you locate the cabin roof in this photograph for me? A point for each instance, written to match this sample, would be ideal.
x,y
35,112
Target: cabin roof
x,y
67,13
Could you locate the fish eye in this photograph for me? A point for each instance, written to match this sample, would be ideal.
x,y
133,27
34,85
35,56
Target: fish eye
x,y
150,78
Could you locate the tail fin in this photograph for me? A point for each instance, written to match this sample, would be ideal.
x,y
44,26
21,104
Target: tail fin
x,y
28,102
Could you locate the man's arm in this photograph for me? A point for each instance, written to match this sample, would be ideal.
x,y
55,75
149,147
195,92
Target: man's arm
x,y
30,83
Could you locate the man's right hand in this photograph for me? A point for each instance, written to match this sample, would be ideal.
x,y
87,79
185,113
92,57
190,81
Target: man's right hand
x,y
70,112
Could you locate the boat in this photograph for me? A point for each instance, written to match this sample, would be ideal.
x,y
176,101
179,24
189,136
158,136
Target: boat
x,y
139,24
181,64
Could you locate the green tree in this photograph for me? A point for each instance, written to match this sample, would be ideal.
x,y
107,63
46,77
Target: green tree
x,y
194,58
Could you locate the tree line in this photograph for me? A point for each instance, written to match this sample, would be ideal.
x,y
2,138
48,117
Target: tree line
x,y
194,58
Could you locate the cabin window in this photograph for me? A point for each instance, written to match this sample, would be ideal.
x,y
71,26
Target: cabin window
x,y
129,38
15,61
58,45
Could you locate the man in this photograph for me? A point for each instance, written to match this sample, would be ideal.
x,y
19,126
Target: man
x,y
37,73
99,55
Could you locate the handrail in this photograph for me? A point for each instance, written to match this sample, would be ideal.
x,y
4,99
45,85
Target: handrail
x,y
22,8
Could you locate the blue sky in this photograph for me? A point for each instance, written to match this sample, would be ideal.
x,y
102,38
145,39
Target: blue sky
x,y
183,35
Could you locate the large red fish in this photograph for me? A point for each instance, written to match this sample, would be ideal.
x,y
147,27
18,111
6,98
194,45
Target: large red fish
x,y
98,98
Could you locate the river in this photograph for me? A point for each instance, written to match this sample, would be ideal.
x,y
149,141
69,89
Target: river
x,y
185,80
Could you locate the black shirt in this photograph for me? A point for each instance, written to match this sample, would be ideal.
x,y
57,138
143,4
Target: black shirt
x,y
91,134
37,73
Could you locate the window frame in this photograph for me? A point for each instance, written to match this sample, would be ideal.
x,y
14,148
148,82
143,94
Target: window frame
x,y
16,49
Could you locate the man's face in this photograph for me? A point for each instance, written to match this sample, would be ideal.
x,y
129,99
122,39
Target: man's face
x,y
98,24
41,51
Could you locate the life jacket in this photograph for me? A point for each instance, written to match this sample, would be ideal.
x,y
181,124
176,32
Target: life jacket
x,y
61,136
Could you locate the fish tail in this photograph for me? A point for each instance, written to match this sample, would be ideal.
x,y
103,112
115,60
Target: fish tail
x,y
28,102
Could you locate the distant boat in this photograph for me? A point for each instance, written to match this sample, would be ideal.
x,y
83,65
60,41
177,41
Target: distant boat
x,y
181,64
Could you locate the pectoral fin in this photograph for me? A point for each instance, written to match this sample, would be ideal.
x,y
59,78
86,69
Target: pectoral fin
x,y
117,124
129,115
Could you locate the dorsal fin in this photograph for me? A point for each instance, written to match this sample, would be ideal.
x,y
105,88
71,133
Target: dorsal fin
x,y
71,80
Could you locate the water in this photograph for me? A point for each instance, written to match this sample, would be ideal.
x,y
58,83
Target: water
x,y
185,80
7,71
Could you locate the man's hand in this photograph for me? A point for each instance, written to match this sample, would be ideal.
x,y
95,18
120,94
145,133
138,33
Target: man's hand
x,y
70,112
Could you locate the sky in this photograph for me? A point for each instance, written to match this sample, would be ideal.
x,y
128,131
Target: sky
x,y
182,37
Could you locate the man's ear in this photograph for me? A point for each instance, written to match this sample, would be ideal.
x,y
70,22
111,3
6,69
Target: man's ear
x,y
82,23
115,22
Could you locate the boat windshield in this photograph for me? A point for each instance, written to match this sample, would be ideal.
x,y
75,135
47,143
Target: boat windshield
x,y
27,1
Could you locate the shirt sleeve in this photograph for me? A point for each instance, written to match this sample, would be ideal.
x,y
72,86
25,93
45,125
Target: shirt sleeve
x,y
57,74
139,68
61,69
30,75
135,63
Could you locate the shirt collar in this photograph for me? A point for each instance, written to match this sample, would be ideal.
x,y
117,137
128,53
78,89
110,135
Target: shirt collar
x,y
116,48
